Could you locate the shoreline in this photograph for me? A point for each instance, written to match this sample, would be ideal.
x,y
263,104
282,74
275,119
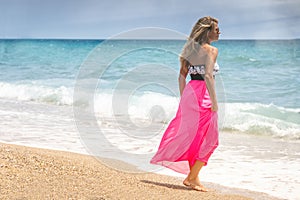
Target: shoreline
x,y
37,173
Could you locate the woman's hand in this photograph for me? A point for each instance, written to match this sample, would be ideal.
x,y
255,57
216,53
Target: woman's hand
x,y
214,107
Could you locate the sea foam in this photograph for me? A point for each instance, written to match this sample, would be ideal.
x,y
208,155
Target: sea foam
x,y
248,118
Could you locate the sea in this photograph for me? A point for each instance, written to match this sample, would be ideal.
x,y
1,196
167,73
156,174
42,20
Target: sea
x,y
114,99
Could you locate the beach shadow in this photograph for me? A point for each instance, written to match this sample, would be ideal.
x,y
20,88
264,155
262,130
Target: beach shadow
x,y
168,185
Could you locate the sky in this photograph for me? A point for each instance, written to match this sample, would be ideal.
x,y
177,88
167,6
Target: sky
x,y
102,19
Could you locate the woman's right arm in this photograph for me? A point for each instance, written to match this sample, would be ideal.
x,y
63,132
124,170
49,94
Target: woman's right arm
x,y
182,75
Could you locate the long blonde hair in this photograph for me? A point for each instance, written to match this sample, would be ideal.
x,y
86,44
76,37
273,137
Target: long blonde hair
x,y
198,36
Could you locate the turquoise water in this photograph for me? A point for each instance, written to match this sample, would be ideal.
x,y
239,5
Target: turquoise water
x,y
261,71
253,71
260,78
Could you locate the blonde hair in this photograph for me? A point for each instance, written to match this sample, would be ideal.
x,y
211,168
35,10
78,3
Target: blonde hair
x,y
198,36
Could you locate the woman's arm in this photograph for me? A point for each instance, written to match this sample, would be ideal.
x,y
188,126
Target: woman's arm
x,y
182,75
209,79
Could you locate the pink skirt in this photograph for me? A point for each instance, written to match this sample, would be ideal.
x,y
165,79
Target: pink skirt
x,y
193,133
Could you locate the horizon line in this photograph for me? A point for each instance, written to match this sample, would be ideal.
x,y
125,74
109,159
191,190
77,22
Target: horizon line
x,y
15,38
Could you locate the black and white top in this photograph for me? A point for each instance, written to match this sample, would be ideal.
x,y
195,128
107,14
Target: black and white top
x,y
200,69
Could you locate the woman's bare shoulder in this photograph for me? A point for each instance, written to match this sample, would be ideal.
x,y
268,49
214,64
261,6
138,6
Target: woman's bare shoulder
x,y
212,51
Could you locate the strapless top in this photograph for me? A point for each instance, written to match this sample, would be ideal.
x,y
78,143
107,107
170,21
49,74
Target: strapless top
x,y
197,71
200,69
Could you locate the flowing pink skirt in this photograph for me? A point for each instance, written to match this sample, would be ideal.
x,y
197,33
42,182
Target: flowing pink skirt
x,y
193,133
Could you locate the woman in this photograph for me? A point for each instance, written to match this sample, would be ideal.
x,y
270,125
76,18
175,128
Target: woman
x,y
192,135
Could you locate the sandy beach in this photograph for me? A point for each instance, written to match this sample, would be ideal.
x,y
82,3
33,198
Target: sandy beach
x,y
33,173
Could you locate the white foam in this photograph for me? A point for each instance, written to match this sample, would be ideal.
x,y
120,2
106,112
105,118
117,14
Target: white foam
x,y
39,93
261,119
148,107
39,125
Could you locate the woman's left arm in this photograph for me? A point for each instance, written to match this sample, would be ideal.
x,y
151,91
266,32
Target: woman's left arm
x,y
209,79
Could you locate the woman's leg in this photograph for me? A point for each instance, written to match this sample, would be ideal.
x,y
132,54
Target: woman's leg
x,y
192,179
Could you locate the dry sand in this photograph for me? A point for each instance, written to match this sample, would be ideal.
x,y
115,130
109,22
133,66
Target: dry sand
x,y
32,173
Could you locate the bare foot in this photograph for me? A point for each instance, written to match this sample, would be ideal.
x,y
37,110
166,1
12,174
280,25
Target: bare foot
x,y
195,185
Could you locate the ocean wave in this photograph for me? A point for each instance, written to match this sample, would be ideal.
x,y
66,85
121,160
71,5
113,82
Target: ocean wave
x,y
244,118
247,118
262,119
149,106
39,93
